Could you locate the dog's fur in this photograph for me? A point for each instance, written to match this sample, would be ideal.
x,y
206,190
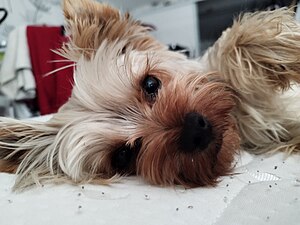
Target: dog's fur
x,y
236,88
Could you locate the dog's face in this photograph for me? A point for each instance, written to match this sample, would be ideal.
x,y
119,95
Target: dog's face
x,y
140,108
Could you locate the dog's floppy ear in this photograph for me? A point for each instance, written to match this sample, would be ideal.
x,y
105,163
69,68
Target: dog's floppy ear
x,y
260,50
90,23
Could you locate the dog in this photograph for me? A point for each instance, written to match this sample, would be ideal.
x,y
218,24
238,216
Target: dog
x,y
138,108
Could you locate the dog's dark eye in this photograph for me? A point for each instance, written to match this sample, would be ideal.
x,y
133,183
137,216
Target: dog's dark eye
x,y
121,158
150,86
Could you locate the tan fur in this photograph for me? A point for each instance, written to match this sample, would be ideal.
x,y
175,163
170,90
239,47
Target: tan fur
x,y
259,57
7,166
237,86
90,23
164,164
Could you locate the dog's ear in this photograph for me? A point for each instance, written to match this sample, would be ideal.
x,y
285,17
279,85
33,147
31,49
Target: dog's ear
x,y
90,23
260,50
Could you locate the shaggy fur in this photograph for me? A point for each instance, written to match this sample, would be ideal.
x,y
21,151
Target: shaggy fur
x,y
112,126
259,58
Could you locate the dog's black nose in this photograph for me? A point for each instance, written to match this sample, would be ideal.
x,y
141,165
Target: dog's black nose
x,y
196,133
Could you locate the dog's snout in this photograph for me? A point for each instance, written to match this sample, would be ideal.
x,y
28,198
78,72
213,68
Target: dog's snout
x,y
196,133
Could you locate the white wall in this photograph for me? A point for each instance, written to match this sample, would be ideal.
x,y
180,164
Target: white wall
x,y
26,12
130,5
175,24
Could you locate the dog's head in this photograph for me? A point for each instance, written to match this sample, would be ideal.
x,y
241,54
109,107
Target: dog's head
x,y
139,108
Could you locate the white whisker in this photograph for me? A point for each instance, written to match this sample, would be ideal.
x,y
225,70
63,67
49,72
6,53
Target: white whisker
x,y
59,69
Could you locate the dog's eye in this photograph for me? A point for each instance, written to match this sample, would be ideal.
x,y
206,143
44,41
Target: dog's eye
x,y
150,86
121,158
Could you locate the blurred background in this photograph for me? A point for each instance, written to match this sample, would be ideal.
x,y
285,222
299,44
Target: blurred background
x,y
29,29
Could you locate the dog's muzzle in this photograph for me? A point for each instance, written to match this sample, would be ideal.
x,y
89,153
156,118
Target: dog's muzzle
x,y
196,133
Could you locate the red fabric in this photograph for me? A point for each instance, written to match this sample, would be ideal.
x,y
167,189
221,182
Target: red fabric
x,y
55,89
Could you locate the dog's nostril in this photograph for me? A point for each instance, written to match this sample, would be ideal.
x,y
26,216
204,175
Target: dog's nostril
x,y
196,133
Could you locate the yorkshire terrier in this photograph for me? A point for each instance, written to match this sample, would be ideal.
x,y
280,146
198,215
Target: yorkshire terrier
x,y
138,108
